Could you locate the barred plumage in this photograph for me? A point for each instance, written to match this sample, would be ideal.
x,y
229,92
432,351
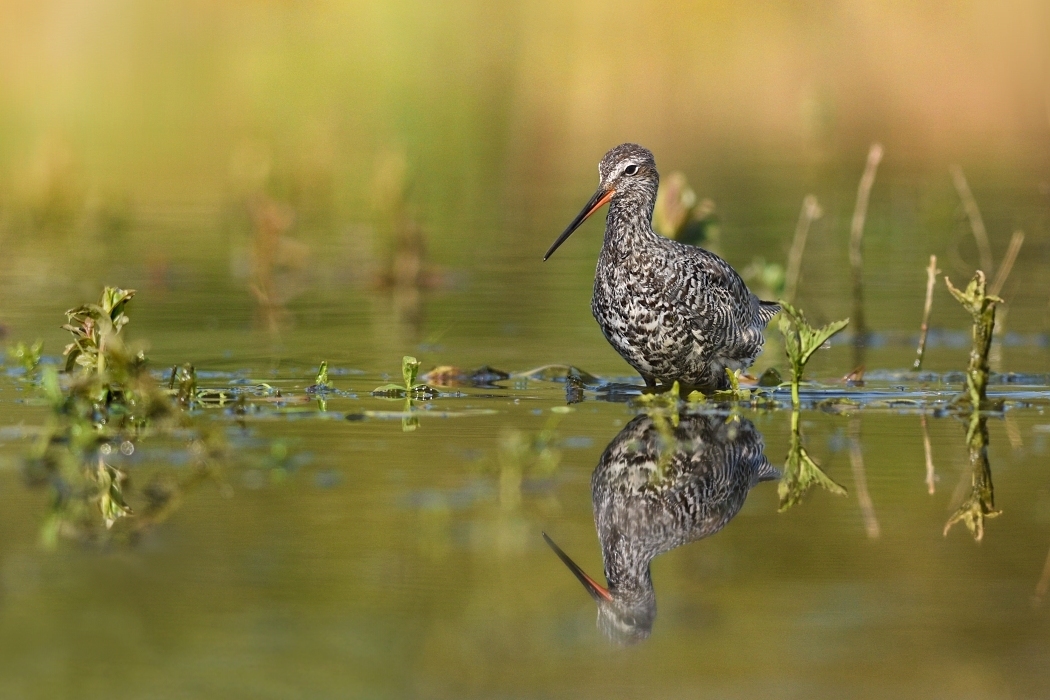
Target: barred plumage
x,y
675,312
650,497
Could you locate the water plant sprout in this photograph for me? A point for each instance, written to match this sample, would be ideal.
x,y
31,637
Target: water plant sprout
x,y
802,340
411,388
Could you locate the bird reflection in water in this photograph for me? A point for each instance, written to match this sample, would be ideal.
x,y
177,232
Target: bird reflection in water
x,y
657,487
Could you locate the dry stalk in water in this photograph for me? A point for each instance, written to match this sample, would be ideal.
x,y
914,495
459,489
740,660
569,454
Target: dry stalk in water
x,y
856,237
931,281
1005,267
980,233
811,211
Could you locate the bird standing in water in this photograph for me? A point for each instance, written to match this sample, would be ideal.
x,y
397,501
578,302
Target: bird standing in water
x,y
675,312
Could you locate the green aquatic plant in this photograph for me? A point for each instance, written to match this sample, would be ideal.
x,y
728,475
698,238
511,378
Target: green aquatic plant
x,y
981,306
26,356
102,404
95,327
410,391
980,504
801,340
321,380
183,384
801,473
411,388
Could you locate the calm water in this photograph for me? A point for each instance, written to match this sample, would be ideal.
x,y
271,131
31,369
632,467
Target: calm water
x,y
286,183
351,558
329,557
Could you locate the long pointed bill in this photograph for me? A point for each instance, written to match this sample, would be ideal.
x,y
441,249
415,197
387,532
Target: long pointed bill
x,y
597,591
600,198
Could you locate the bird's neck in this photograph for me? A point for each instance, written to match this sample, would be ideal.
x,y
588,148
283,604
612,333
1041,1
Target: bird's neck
x,y
627,569
629,223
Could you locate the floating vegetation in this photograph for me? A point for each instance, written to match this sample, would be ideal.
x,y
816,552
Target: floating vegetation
x,y
802,340
801,473
981,306
410,391
560,373
447,375
411,388
93,327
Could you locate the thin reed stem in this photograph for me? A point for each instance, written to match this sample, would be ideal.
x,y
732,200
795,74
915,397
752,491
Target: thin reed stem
x,y
1007,265
931,281
810,212
973,213
856,237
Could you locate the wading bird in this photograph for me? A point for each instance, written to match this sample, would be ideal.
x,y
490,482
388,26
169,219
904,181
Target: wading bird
x,y
675,312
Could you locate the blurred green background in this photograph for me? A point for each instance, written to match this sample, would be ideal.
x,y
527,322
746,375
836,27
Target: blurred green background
x,y
281,156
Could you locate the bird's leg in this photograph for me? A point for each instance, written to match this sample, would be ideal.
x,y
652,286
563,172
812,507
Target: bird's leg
x,y
650,383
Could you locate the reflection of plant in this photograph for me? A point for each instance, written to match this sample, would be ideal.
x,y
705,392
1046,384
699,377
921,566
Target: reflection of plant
x,y
522,453
980,504
801,473
982,307
802,340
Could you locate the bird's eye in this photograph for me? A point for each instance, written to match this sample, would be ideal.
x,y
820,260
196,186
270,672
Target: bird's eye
x,y
630,170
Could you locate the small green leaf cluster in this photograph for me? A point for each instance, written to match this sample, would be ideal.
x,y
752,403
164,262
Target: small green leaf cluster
x,y
801,340
94,327
411,388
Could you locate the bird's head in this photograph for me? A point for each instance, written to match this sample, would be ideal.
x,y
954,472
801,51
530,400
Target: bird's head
x,y
626,172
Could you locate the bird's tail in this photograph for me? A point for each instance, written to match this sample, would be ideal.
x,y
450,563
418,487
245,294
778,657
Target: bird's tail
x,y
767,310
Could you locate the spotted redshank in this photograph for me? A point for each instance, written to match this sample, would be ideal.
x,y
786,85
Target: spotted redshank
x,y
675,312
650,497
